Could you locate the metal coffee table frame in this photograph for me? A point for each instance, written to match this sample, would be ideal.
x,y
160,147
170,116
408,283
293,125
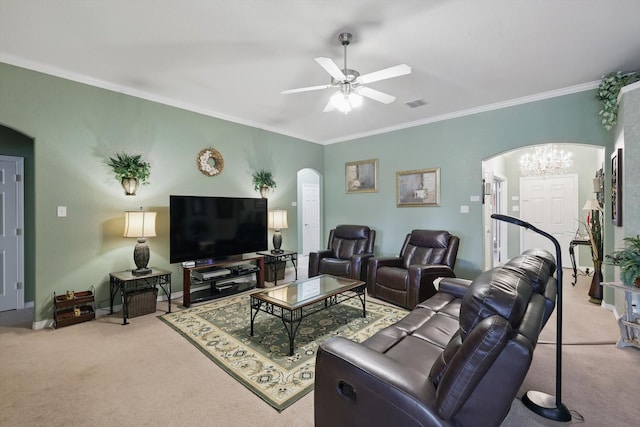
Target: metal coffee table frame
x,y
292,314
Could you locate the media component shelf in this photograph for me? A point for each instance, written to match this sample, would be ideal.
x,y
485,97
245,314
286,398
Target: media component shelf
x,y
222,278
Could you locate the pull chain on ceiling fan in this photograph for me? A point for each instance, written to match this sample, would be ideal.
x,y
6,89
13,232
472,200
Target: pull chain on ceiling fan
x,y
350,82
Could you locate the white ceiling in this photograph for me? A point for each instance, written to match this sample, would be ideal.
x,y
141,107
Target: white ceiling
x,y
232,58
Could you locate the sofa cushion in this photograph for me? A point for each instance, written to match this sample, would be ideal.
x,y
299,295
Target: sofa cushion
x,y
537,270
335,266
393,278
502,291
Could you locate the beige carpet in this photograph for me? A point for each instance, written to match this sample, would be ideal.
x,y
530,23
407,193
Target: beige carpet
x,y
101,373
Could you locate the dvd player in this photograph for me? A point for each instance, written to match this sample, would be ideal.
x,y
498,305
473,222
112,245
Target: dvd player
x,y
210,273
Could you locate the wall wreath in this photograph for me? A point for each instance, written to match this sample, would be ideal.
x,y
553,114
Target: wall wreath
x,y
210,162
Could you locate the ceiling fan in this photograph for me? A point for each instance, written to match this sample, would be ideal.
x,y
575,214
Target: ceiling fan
x,y
350,83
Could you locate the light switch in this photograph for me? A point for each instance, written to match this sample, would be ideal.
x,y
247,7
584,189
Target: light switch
x,y
62,211
474,198
464,209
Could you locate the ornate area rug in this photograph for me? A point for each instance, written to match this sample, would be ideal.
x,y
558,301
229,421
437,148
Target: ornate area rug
x,y
221,330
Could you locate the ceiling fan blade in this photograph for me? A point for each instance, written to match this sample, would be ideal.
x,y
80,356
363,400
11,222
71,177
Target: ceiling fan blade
x,y
387,73
305,89
376,95
331,68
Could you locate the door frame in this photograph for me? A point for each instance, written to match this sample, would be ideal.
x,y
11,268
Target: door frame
x,y
19,162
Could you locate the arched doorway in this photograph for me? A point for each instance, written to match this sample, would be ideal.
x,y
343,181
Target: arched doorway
x,y
503,194
17,149
309,210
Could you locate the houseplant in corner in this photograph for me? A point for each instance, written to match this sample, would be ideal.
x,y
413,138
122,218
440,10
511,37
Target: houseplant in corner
x,y
628,259
263,181
130,170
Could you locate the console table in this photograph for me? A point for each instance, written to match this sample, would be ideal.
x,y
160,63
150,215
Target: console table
x,y
126,282
274,260
628,322
572,256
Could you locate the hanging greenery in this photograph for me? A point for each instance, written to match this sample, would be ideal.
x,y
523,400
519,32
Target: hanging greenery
x,y
126,165
608,94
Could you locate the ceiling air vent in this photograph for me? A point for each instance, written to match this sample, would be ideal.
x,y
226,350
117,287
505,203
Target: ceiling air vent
x,y
416,103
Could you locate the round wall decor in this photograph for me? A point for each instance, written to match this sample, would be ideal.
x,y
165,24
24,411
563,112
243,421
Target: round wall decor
x,y
210,162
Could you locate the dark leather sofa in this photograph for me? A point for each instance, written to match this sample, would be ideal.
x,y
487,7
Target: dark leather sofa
x,y
407,279
348,250
457,359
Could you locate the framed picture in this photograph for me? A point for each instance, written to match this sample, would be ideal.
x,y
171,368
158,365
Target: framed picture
x,y
361,176
616,187
418,187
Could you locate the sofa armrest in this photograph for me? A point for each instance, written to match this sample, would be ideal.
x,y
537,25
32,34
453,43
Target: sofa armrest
x,y
374,264
359,263
356,385
421,278
454,286
314,260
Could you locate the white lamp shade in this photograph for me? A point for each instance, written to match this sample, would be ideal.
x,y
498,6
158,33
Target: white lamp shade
x,y
278,219
139,224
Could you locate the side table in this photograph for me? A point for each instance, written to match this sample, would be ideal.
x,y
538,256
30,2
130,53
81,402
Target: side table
x,y
572,256
628,322
274,260
126,282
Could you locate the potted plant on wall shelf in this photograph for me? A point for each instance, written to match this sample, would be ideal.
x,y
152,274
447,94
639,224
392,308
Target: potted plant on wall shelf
x,y
628,259
608,91
262,182
130,170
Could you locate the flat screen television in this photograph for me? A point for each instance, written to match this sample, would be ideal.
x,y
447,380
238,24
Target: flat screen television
x,y
203,227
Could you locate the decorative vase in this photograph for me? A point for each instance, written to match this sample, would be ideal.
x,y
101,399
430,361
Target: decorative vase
x,y
264,191
130,186
595,290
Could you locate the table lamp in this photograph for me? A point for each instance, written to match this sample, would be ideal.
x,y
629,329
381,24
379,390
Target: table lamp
x,y
141,225
277,220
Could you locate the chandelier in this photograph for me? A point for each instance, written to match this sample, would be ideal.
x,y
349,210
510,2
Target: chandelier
x,y
546,160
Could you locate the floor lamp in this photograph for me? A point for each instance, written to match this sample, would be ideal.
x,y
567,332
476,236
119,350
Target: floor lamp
x,y
541,403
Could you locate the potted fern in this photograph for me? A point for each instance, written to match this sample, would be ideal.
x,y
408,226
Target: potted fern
x,y
628,259
263,181
131,170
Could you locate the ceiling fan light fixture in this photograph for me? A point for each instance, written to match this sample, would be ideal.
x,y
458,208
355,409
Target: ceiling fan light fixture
x,y
346,101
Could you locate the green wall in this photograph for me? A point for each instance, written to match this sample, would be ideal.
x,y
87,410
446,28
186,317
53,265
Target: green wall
x,y
75,127
457,147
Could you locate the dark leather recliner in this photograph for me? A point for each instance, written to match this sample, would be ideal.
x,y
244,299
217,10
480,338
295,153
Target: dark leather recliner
x,y
348,250
457,360
408,279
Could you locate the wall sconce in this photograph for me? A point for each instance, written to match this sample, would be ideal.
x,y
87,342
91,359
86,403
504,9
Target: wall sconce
x,y
277,220
141,225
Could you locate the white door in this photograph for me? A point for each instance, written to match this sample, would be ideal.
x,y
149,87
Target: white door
x,y
310,218
11,238
550,204
487,210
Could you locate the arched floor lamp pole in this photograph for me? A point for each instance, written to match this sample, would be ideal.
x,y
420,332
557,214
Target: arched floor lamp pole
x,y
544,404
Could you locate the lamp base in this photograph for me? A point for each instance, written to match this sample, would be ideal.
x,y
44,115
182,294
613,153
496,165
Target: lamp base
x,y
545,405
141,271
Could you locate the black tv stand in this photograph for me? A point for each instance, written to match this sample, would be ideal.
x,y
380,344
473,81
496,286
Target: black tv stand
x,y
197,290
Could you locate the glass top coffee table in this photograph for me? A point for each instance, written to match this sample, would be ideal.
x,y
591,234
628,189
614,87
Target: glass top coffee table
x,y
294,301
